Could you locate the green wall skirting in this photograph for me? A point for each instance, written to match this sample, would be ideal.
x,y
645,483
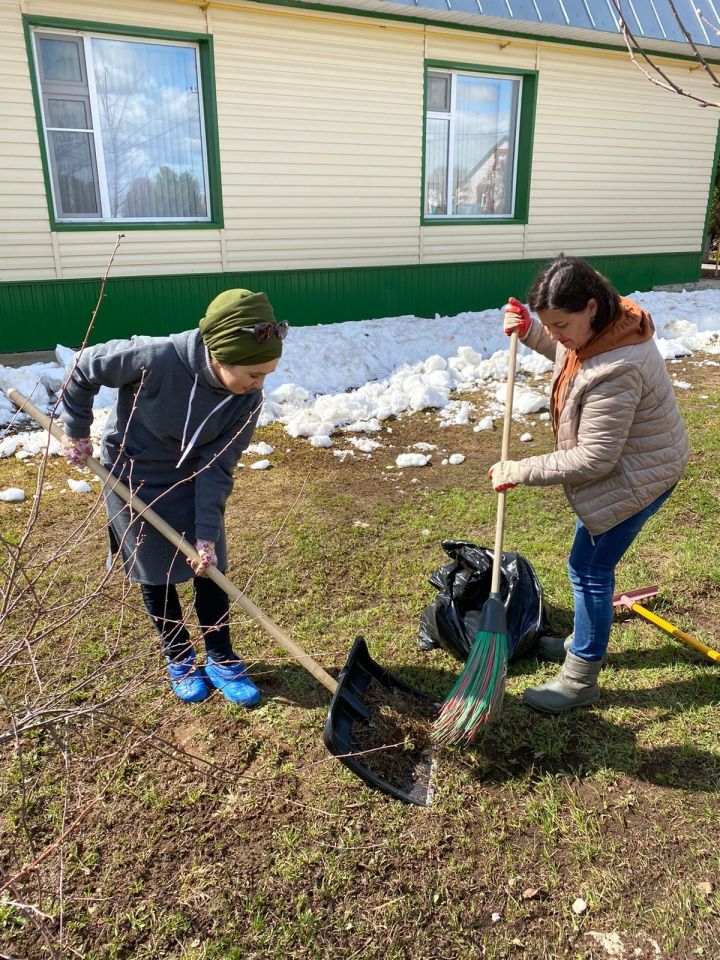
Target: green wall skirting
x,y
37,315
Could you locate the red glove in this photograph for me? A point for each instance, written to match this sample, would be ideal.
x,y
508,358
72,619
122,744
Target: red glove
x,y
517,318
208,557
504,475
76,450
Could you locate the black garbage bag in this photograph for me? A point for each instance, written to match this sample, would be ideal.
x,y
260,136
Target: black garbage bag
x,y
453,620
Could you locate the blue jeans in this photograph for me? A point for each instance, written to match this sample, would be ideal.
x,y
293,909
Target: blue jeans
x,y
591,568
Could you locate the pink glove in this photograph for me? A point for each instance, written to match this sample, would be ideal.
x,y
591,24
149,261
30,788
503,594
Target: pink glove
x,y
208,557
517,318
76,450
504,475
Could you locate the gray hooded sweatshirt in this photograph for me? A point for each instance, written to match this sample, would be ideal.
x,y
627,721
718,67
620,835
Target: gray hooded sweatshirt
x,y
174,437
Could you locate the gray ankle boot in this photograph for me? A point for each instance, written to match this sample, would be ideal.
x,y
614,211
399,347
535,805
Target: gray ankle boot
x,y
575,686
553,648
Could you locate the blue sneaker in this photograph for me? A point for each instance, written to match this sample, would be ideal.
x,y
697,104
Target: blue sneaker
x,y
187,680
232,681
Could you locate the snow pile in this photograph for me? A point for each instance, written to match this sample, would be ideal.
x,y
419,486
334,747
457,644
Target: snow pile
x,y
364,444
12,495
79,486
261,449
525,401
485,424
350,377
28,443
39,382
684,322
412,460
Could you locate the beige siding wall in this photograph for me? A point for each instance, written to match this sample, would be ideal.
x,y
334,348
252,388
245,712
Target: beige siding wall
x,y
635,174
321,149
322,140
26,251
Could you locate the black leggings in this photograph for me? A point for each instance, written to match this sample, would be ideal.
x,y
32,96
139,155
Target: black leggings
x,y
213,611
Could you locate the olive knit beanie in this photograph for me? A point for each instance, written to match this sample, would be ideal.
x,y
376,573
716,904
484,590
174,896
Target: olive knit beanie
x,y
222,333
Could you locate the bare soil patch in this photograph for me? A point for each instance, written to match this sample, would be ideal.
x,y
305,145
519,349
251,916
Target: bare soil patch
x,y
213,833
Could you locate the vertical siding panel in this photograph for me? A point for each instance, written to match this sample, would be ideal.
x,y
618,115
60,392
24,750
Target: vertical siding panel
x,y
46,312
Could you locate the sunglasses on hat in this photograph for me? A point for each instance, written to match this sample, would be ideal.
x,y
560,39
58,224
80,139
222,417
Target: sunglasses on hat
x,y
263,331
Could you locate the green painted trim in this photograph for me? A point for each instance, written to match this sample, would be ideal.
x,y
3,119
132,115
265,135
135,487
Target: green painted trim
x,y
212,129
713,174
38,118
125,29
526,129
478,68
472,28
212,134
46,312
528,106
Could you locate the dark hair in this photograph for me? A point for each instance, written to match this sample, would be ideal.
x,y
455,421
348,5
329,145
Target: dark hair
x,y
567,284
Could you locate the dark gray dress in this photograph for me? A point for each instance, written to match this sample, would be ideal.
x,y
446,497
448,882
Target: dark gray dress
x,y
174,437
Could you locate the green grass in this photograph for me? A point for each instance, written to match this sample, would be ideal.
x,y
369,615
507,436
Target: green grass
x,y
209,833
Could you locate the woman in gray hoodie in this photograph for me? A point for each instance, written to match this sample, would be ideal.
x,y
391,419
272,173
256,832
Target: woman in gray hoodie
x,y
186,408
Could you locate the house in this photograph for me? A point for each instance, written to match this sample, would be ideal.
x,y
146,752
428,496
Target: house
x,y
354,159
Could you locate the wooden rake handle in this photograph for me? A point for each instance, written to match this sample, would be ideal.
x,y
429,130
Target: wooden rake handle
x,y
505,451
148,514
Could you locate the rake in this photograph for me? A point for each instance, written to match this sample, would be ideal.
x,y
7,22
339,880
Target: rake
x,y
631,599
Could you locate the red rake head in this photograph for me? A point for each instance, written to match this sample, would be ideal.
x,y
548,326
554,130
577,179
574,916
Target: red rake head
x,y
630,597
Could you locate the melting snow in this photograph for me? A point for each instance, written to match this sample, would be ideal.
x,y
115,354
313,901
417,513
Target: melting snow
x,y
350,377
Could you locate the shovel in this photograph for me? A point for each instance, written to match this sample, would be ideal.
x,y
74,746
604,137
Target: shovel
x,y
631,600
348,717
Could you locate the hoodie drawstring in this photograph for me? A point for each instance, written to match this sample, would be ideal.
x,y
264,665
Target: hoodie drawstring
x,y
186,450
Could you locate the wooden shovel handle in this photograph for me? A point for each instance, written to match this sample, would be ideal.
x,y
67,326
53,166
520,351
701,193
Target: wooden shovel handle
x,y
147,513
505,451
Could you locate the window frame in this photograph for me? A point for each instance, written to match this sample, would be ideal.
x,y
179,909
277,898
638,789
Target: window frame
x,y
208,120
525,126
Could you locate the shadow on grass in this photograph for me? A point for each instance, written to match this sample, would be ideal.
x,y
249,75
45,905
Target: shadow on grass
x,y
578,744
562,620
642,658
527,744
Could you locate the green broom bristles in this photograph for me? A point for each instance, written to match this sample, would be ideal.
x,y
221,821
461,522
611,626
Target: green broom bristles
x,y
477,697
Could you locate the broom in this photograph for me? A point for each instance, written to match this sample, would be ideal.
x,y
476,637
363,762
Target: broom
x,y
477,697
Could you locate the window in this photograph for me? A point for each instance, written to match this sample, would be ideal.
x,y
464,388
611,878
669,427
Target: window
x,y
474,142
124,127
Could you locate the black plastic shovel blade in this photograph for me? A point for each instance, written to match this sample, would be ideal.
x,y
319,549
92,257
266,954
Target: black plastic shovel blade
x,y
368,739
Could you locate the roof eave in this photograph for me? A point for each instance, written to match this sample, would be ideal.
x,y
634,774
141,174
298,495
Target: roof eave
x,y
505,27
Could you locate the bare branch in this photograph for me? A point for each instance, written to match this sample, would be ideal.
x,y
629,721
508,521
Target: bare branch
x,y
701,60
665,82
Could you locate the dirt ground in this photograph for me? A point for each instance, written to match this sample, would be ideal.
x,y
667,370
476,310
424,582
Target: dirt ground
x,y
144,828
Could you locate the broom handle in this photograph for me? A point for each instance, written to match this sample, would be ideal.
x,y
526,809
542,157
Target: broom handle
x,y
505,452
147,513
